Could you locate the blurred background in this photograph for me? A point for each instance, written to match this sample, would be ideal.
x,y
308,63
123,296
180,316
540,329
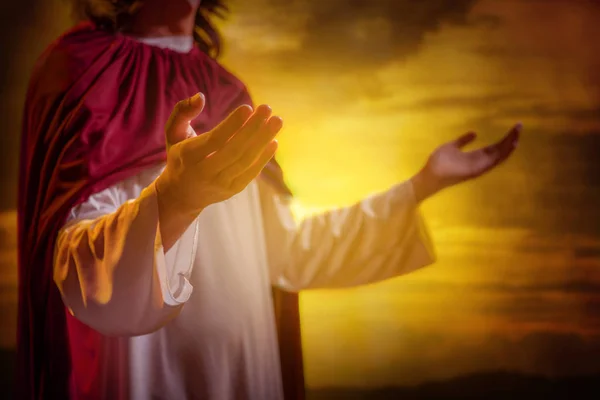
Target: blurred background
x,y
367,89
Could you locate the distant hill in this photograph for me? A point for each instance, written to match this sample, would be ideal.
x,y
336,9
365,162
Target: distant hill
x,y
489,385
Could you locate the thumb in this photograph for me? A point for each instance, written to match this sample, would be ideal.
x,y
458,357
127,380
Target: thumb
x,y
465,139
178,125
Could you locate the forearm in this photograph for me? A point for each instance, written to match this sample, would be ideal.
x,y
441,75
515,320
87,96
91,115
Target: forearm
x,y
173,219
425,185
111,270
378,238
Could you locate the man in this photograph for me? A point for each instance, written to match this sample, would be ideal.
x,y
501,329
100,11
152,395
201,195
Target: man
x,y
146,264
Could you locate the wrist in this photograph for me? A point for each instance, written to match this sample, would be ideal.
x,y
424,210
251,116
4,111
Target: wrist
x,y
170,204
425,185
173,217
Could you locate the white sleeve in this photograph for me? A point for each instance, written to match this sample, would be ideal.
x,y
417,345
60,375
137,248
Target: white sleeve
x,y
381,237
110,266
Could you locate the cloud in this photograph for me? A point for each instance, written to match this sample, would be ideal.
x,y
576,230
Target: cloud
x,y
558,354
490,21
342,35
499,108
567,287
573,306
586,252
447,103
411,356
502,52
524,241
526,303
545,111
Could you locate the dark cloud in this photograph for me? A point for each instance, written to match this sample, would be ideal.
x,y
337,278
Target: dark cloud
x,y
490,21
528,307
376,30
569,303
351,34
545,353
451,103
578,287
580,252
551,111
592,306
572,287
463,101
501,106
557,353
577,307
504,52
586,252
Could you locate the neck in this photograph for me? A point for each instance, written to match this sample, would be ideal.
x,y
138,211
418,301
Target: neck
x,y
157,18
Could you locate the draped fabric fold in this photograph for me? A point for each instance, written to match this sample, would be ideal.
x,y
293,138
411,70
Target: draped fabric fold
x,y
94,115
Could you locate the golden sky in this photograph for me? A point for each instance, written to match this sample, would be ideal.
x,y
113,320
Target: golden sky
x,y
365,97
366,92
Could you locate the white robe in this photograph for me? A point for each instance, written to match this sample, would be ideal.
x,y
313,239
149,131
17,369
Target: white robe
x,y
223,344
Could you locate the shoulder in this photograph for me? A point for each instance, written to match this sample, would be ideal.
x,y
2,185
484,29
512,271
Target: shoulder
x,y
223,81
69,55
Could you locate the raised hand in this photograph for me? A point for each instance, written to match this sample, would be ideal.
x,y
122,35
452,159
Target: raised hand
x,y
449,164
212,167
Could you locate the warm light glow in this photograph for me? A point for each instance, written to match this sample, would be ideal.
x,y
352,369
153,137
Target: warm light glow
x,y
352,133
518,270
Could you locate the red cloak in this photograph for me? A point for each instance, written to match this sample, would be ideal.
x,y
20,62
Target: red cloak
x,y
94,115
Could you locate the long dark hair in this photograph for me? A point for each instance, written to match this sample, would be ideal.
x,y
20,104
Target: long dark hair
x,y
114,14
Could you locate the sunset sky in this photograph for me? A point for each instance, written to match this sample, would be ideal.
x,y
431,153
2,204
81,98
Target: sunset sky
x,y
366,92
367,89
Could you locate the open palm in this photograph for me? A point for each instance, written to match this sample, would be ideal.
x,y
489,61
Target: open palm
x,y
450,165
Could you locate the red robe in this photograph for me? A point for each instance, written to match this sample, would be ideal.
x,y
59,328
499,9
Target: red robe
x,y
95,115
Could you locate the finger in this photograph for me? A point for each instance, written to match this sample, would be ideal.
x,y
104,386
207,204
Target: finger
x,y
516,134
506,145
465,139
274,124
251,138
230,126
239,183
491,156
212,141
254,149
509,141
179,121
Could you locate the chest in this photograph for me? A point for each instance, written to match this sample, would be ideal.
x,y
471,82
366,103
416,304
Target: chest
x,y
230,270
